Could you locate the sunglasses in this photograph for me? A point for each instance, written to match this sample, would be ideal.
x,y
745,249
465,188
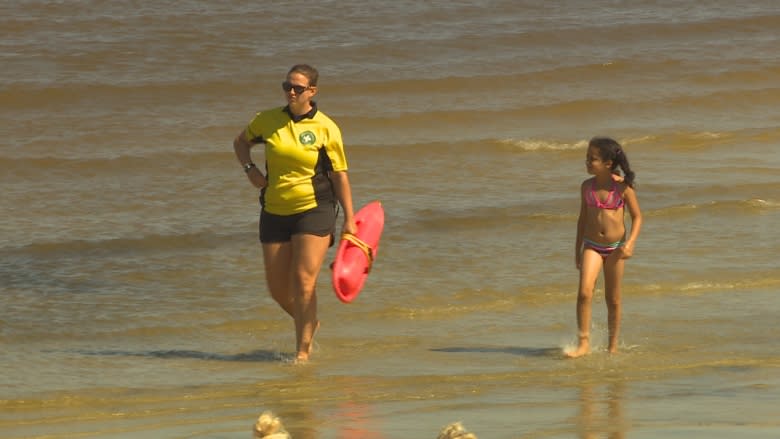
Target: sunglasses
x,y
287,86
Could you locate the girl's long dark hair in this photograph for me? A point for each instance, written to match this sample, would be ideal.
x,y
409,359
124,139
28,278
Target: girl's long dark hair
x,y
610,149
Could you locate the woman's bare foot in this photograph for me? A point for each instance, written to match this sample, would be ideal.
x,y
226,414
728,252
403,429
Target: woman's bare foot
x,y
303,357
313,334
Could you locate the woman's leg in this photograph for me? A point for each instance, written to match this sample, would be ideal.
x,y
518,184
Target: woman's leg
x,y
277,257
308,254
589,273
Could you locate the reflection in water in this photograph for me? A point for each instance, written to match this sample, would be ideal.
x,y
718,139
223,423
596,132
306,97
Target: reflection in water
x,y
355,421
294,402
300,408
300,422
602,417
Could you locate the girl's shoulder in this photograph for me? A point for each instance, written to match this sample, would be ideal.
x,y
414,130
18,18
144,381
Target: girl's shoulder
x,y
586,185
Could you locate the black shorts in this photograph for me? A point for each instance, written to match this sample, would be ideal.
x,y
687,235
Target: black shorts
x,y
320,221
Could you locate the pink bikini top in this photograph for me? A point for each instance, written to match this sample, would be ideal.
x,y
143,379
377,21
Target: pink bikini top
x,y
614,201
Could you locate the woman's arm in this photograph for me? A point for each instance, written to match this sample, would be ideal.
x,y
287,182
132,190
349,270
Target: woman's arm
x,y
242,147
344,196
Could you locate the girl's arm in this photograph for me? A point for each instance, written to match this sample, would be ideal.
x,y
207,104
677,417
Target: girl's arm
x,y
632,204
344,196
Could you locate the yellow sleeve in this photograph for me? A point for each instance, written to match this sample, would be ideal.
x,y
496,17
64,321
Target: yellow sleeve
x,y
335,149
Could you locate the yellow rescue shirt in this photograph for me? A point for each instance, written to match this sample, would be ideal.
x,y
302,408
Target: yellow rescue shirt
x,y
299,152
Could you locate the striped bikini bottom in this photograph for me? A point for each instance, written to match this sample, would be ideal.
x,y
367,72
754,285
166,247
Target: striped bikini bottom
x,y
603,249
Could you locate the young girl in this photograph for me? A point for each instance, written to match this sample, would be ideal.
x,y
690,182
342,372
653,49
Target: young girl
x,y
602,241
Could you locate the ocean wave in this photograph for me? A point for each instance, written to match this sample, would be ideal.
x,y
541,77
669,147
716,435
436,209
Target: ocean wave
x,y
667,141
714,282
47,95
195,156
517,216
742,284
553,84
746,206
671,142
485,82
114,162
117,246
486,217
634,32
544,145
438,123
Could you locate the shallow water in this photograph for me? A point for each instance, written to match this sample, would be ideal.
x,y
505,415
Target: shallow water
x,y
132,297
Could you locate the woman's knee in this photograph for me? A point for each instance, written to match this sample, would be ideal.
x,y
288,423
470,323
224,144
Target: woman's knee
x,y
276,282
304,281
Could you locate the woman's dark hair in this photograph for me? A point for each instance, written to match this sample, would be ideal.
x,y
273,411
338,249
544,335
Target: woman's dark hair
x,y
306,70
609,149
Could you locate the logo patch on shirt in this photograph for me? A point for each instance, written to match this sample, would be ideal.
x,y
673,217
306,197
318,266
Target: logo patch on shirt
x,y
307,138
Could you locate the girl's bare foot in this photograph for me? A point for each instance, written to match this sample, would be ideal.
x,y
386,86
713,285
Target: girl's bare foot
x,y
582,349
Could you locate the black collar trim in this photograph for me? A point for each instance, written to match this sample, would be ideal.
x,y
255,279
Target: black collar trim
x,y
308,115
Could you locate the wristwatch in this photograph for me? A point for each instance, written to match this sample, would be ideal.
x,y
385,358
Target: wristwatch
x,y
249,166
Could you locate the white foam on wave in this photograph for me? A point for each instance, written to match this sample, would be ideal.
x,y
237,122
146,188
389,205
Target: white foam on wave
x,y
544,145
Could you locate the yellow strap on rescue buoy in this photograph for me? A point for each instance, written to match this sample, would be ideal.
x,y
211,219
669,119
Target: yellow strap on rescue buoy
x,y
359,243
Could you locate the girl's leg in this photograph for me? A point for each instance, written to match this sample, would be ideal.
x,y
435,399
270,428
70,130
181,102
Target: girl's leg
x,y
308,254
589,272
277,260
613,283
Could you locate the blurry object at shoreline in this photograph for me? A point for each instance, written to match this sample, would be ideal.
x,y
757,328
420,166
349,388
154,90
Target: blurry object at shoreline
x,y
269,426
455,431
